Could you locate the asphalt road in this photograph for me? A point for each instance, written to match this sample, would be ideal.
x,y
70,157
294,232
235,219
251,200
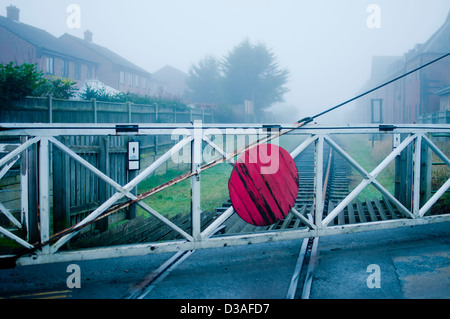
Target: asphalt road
x,y
412,263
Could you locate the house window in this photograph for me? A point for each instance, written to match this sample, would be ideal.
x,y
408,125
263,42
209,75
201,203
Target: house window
x,y
122,77
130,80
137,81
144,83
89,73
50,68
377,111
65,69
77,71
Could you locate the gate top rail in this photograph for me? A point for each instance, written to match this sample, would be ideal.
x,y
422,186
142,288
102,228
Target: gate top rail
x,y
64,129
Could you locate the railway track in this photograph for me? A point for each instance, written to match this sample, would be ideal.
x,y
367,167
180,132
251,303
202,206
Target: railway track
x,y
336,187
336,184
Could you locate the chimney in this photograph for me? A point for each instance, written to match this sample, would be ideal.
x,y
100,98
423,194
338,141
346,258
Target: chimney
x,y
12,12
88,36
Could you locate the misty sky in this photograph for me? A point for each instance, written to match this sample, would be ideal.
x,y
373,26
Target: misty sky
x,y
326,45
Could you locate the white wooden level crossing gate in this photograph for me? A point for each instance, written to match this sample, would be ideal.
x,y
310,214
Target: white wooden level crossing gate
x,y
195,136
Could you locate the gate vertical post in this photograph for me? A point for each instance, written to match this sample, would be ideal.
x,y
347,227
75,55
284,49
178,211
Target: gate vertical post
x,y
409,175
417,171
196,162
425,174
61,189
318,183
103,187
33,198
24,162
132,210
44,200
403,175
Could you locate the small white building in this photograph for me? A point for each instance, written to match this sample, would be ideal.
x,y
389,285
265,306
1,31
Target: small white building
x,y
98,86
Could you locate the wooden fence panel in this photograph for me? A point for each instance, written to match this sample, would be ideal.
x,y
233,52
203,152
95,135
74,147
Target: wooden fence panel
x,y
50,110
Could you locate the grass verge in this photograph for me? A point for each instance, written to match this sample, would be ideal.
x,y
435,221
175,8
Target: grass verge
x,y
177,198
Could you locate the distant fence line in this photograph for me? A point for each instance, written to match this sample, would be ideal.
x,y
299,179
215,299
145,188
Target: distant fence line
x,y
435,118
51,110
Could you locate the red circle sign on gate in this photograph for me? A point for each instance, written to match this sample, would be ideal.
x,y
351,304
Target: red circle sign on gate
x,y
263,186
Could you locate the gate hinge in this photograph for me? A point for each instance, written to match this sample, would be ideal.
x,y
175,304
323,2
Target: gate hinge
x,y
387,128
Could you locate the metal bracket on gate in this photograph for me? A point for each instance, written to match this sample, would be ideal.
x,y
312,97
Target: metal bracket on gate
x,y
127,128
387,128
270,128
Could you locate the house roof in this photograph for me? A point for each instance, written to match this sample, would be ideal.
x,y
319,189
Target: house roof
x,y
170,75
43,40
439,42
382,66
97,52
67,45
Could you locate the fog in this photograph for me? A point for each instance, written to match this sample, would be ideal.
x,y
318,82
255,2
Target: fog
x,y
326,45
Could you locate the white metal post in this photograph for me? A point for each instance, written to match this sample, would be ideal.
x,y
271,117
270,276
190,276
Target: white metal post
x,y
318,196
196,156
44,204
24,188
416,181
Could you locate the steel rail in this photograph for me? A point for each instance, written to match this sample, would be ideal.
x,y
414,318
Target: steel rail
x,y
141,290
306,261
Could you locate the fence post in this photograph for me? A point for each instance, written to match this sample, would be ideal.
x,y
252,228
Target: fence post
x,y
175,114
50,108
129,111
94,106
